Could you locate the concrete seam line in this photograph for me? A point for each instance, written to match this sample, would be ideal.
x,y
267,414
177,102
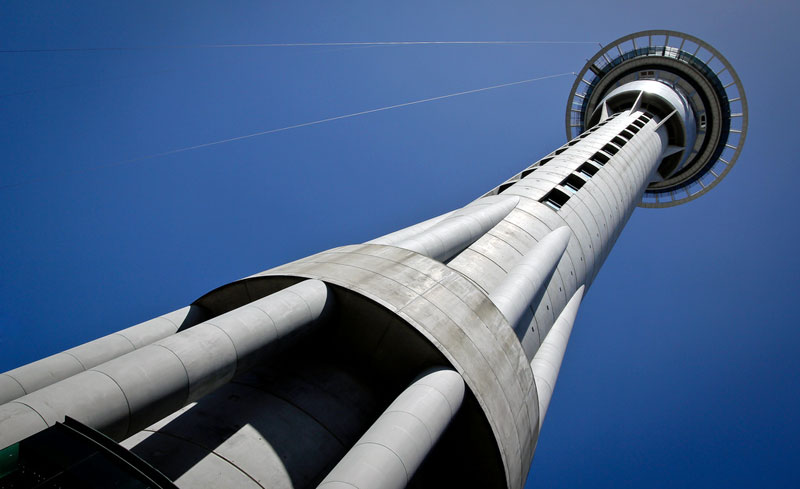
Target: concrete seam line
x,y
430,437
128,428
548,362
235,351
598,206
336,482
177,326
500,238
370,271
492,332
481,231
450,406
390,450
545,382
17,381
402,264
435,235
192,442
66,352
482,355
299,409
32,409
479,253
119,333
578,215
188,381
303,300
272,321
519,231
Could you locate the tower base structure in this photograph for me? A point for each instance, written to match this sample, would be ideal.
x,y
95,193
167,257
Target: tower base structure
x,y
424,358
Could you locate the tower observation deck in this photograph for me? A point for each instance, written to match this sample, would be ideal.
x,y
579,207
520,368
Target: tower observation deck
x,y
423,358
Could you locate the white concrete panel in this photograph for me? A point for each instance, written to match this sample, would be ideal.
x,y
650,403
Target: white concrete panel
x,y
60,366
389,453
91,397
154,382
42,373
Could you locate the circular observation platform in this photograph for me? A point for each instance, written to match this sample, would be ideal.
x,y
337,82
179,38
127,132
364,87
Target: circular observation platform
x,y
695,70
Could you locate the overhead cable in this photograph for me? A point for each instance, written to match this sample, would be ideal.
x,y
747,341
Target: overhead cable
x,y
278,45
285,128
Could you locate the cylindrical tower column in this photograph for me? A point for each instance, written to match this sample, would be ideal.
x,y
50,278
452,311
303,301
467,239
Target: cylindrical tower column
x,y
126,394
389,453
41,373
488,292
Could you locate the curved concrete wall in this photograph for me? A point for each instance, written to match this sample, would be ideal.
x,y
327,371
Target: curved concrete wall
x,y
455,316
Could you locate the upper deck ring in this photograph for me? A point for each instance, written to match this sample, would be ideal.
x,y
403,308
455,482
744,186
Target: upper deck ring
x,y
670,48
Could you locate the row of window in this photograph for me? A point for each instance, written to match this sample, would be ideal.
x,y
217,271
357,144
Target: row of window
x,y
619,141
559,195
522,175
560,150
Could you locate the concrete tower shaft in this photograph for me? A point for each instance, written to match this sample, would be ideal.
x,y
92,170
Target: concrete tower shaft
x,y
591,186
423,358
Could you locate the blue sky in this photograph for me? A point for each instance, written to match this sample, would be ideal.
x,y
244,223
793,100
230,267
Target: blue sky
x,y
683,366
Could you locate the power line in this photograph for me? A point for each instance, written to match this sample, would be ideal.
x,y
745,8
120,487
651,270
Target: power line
x,y
282,129
281,45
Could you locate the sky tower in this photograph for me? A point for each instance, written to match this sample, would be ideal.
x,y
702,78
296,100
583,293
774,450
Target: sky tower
x,y
423,358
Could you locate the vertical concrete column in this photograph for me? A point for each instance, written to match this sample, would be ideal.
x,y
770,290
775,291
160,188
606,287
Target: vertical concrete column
x,y
41,373
126,394
389,453
451,235
547,361
522,289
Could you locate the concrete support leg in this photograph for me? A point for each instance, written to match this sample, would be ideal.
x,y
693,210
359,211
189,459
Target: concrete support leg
x,y
41,373
547,361
451,235
126,394
389,453
525,284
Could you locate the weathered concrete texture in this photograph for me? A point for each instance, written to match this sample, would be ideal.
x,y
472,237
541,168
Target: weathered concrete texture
x,y
41,373
388,455
123,395
547,362
456,317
